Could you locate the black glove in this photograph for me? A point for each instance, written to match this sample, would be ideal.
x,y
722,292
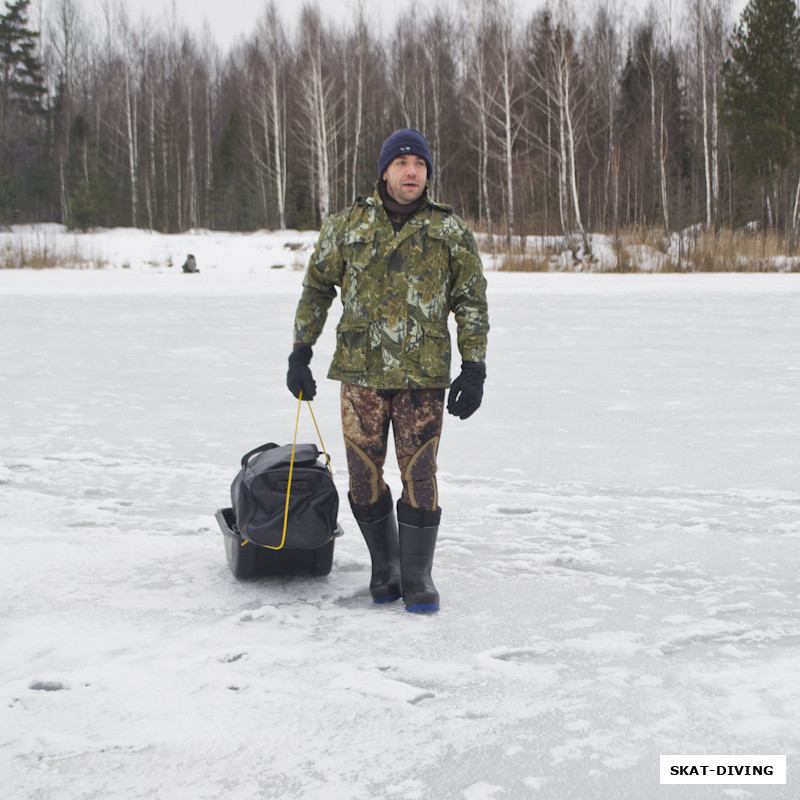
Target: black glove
x,y
299,377
466,391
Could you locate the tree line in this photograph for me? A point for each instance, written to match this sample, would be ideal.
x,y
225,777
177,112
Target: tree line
x,y
676,115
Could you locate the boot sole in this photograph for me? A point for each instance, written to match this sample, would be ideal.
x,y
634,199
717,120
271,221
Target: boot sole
x,y
422,607
390,599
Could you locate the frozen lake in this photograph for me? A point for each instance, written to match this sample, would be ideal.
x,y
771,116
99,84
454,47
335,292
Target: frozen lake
x,y
618,557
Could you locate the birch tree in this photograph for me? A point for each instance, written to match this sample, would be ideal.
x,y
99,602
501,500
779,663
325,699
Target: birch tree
x,y
505,104
269,67
711,23
360,53
478,87
120,51
562,96
605,59
445,128
64,35
408,82
317,82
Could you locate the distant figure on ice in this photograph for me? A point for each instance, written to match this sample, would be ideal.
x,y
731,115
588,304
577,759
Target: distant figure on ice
x,y
402,263
190,265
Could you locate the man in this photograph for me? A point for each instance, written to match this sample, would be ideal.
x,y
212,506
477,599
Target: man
x,y
402,263
190,265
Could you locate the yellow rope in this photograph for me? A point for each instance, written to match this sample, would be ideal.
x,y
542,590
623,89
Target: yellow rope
x,y
291,469
289,485
322,444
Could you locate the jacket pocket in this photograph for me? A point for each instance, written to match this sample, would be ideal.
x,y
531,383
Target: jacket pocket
x,y
436,248
357,248
429,276
434,351
352,345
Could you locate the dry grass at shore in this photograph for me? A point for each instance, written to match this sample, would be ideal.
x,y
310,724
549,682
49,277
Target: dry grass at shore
x,y
42,248
649,250
639,250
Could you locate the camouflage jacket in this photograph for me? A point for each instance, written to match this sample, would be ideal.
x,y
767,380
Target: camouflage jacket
x,y
397,292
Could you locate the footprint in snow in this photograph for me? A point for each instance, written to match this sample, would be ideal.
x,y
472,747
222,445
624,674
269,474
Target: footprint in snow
x,y
707,633
230,659
360,599
381,686
519,654
47,686
538,657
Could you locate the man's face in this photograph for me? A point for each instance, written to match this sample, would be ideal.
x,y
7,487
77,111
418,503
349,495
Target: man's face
x,y
406,177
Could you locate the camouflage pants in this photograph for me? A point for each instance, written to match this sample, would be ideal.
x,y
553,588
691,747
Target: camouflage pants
x,y
416,419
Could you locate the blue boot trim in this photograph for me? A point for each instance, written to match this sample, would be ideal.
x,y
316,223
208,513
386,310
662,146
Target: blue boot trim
x,y
423,607
390,599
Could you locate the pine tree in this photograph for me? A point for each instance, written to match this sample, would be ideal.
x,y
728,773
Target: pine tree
x,y
22,174
21,81
233,197
761,99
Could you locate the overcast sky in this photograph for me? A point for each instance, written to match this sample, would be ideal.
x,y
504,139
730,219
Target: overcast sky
x,y
230,19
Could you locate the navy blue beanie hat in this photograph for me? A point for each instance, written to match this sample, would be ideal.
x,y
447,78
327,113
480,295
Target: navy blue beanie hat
x,y
406,141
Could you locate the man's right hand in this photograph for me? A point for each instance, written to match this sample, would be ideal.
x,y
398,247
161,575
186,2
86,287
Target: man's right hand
x,y
299,377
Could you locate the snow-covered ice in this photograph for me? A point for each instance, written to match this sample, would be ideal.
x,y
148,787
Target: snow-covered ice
x,y
618,557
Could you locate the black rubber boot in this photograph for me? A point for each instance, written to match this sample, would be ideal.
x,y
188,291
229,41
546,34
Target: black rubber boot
x,y
418,532
379,527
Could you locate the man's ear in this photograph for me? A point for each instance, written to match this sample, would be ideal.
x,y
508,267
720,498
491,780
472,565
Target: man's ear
x,y
383,177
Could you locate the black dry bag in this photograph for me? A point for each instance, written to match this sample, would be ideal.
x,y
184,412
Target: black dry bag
x,y
258,495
